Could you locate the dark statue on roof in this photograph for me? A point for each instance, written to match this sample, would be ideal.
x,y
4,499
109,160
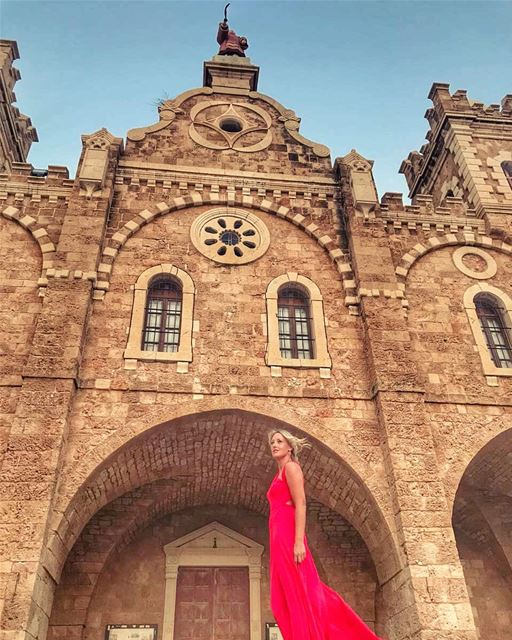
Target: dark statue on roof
x,y
230,43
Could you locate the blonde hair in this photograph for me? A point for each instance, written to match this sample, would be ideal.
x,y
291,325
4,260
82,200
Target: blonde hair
x,y
297,444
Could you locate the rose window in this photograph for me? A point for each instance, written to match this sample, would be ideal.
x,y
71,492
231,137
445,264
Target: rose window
x,y
230,236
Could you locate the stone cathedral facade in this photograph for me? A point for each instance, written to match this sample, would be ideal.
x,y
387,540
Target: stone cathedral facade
x,y
213,276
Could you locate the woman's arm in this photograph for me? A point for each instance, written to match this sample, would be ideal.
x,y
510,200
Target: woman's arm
x,y
295,481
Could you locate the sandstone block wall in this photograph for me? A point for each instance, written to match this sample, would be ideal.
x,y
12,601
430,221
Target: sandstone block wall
x,y
106,458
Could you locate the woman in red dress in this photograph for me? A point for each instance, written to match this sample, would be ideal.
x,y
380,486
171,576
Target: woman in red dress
x,y
304,607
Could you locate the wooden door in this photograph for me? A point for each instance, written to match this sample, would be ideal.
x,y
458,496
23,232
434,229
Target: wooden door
x,y
212,603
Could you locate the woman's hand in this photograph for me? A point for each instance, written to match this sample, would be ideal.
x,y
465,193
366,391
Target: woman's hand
x,y
299,552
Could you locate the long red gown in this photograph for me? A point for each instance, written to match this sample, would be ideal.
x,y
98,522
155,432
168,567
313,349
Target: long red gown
x,y
304,607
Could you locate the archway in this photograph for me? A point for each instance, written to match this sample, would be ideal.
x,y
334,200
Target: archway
x,y
482,522
215,460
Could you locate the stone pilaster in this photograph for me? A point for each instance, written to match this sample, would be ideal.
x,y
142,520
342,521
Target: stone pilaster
x,y
427,599
32,460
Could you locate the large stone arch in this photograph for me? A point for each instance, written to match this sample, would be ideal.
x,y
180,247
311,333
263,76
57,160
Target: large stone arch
x,y
332,481
482,522
237,470
484,432
195,199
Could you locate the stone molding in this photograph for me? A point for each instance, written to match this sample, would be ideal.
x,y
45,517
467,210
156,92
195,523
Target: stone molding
x,y
168,110
39,234
503,187
133,349
20,184
201,234
231,140
490,370
273,356
194,199
179,173
213,545
458,261
448,240
452,216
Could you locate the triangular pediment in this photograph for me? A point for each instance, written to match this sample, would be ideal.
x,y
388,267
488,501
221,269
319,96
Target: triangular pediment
x,y
213,536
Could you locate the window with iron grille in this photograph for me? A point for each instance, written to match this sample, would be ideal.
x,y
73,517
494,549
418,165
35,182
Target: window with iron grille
x,y
507,168
493,321
162,317
293,312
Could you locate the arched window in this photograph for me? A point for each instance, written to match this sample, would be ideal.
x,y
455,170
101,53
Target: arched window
x,y
507,169
293,311
162,318
496,329
489,311
296,335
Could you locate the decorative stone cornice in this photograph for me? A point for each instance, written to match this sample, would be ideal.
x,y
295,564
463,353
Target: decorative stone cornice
x,y
136,169
452,216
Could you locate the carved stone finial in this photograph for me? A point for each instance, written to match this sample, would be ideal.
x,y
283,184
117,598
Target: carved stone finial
x,y
230,43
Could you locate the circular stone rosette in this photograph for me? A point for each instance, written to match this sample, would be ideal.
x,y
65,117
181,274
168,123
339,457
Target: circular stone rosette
x,y
230,236
488,268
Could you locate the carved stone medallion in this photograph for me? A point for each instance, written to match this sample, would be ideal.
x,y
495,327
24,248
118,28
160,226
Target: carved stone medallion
x,y
474,262
222,125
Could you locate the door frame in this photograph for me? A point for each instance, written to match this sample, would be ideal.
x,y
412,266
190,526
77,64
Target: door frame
x,y
213,545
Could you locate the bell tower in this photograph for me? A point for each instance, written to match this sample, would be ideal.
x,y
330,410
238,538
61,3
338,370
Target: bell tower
x,y
468,154
16,131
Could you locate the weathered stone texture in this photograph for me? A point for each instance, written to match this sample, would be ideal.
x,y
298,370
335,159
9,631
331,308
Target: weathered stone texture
x,y
230,312
341,557
20,268
107,458
174,146
443,340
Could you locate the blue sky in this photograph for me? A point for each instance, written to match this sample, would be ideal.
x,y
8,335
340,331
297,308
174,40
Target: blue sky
x,y
357,73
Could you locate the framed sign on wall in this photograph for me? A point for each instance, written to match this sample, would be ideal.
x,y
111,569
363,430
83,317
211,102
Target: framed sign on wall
x,y
272,631
131,632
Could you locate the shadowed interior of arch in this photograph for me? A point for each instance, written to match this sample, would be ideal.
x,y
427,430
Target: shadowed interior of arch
x,y
216,459
482,521
234,468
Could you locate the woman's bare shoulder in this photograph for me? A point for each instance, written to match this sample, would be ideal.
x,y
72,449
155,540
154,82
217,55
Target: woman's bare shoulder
x,y
293,469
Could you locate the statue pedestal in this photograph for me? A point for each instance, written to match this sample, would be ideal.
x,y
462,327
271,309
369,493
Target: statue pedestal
x,y
230,72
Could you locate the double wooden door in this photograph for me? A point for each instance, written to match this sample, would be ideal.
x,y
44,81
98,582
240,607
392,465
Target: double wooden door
x,y
212,603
